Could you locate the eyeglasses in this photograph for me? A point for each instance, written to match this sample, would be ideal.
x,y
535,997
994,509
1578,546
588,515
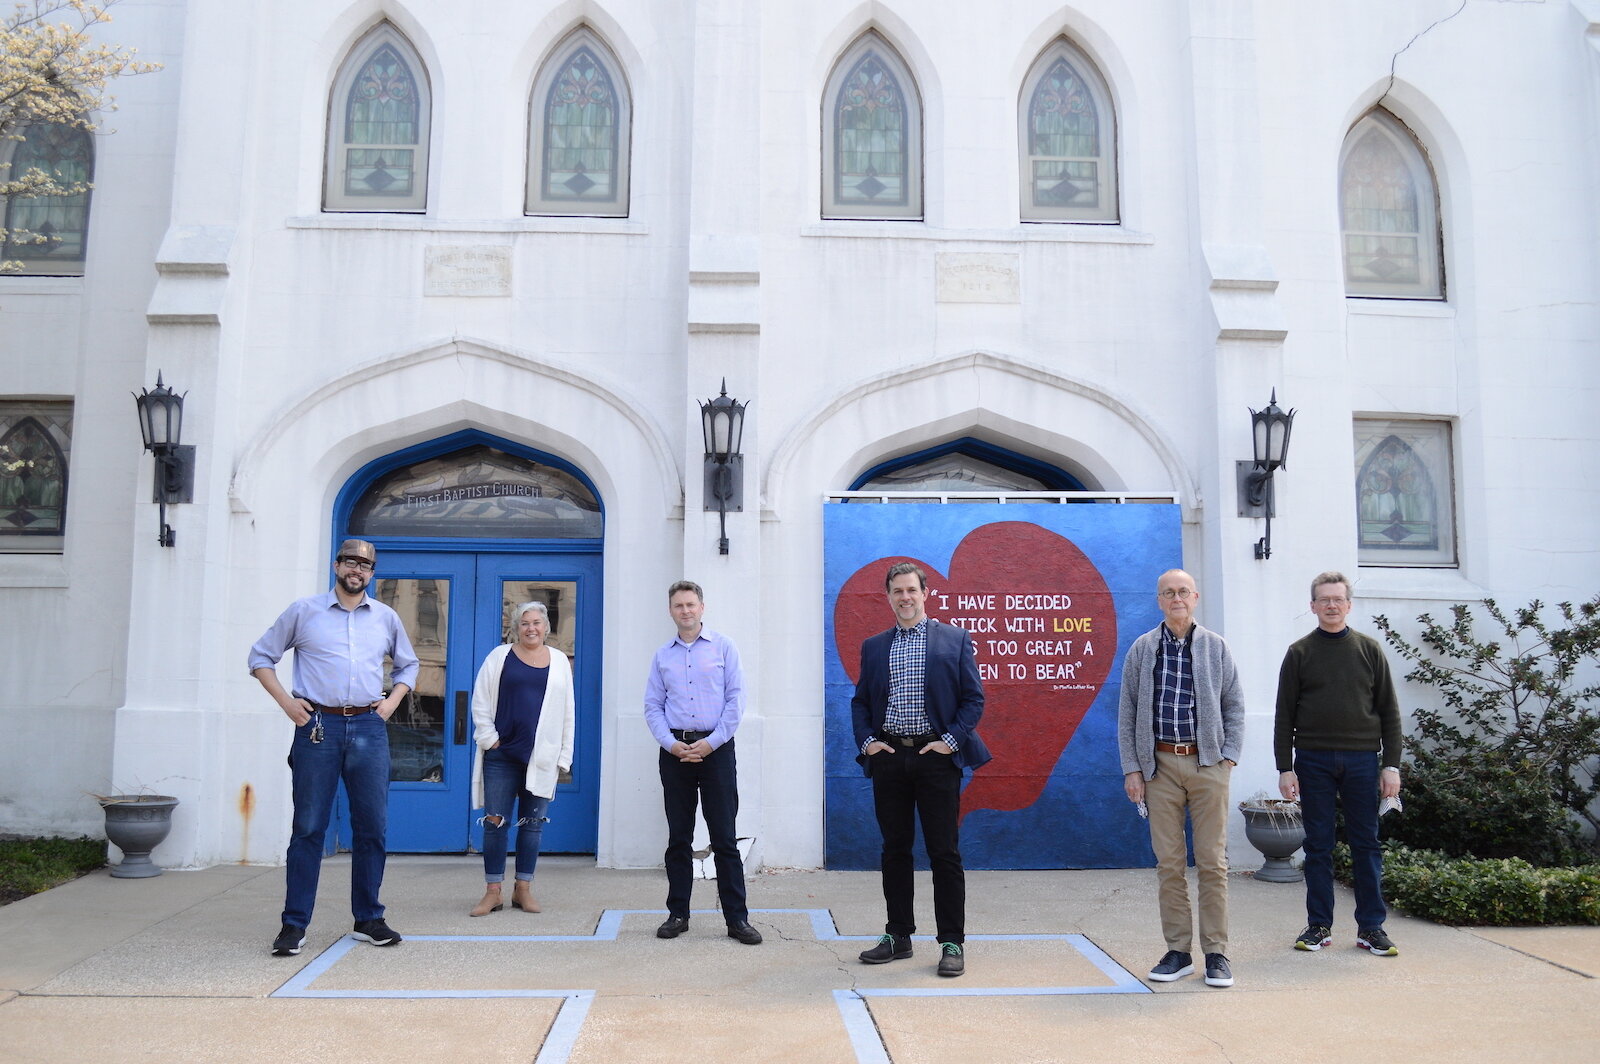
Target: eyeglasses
x,y
356,563
1177,593
1330,602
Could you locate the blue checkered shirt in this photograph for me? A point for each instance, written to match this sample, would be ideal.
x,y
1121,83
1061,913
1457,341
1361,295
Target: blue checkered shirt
x,y
1174,709
908,670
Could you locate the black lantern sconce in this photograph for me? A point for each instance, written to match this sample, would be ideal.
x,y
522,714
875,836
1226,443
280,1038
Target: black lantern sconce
x,y
722,420
161,422
1269,431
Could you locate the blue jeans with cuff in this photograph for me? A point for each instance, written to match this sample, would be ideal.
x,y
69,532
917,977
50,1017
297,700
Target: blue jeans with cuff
x,y
503,786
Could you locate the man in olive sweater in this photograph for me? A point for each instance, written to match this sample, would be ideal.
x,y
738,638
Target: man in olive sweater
x,y
1336,711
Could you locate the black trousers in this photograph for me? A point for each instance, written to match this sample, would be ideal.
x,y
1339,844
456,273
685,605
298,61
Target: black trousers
x,y
907,786
713,783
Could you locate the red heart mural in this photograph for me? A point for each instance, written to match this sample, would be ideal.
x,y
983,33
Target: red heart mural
x,y
1045,630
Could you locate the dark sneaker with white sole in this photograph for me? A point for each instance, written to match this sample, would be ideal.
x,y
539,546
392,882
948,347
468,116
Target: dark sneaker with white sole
x,y
1172,965
376,932
1217,971
1313,938
1375,942
289,941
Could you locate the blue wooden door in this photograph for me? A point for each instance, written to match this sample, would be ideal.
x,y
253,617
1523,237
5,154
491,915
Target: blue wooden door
x,y
456,608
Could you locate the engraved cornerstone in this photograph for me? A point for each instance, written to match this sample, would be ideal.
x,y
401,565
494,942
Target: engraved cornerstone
x,y
467,271
972,277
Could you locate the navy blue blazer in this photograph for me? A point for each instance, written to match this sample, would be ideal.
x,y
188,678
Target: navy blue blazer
x,y
952,692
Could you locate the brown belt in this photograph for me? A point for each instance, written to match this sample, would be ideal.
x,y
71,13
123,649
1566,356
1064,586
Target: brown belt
x,y
1182,749
341,711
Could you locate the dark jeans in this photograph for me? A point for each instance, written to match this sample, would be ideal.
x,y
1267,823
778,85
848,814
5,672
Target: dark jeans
x,y
1348,780
714,784
503,787
927,786
356,750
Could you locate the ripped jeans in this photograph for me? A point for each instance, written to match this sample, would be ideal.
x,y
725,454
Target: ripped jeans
x,y
503,779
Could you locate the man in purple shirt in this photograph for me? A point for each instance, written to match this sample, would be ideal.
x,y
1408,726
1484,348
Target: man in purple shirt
x,y
693,701
340,714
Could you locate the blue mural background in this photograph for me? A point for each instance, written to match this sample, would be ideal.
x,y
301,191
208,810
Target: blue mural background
x,y
1082,818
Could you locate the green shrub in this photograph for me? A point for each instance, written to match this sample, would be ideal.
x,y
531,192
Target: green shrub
x,y
1497,892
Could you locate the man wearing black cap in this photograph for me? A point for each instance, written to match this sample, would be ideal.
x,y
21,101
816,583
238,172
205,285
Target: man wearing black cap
x,y
340,714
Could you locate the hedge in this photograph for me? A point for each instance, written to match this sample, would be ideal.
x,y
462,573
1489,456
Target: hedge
x,y
1496,892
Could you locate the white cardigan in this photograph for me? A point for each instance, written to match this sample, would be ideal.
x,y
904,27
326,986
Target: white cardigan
x,y
552,739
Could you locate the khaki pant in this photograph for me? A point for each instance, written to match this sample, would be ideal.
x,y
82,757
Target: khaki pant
x,y
1181,781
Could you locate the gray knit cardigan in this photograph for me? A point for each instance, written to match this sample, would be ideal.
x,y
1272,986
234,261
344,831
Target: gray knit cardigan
x,y
1218,702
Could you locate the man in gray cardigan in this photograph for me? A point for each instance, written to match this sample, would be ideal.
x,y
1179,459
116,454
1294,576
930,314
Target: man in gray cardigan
x,y
1180,726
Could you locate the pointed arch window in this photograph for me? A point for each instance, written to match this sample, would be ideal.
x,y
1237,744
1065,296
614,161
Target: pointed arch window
x,y
1068,140
580,126
1388,213
48,234
378,123
1405,500
871,135
35,443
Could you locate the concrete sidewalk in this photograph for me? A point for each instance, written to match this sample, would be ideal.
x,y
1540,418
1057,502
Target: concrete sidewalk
x,y
177,969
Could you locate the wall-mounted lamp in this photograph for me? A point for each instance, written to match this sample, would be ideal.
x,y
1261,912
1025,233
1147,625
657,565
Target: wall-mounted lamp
x,y
722,420
1269,433
161,422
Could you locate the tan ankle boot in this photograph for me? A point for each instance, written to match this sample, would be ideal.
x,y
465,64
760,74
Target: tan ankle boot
x,y
522,897
491,902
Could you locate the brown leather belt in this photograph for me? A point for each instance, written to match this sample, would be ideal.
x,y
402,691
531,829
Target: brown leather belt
x,y
1182,749
341,711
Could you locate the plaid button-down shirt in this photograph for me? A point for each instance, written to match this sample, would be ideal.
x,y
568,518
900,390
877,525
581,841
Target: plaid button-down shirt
x,y
1174,709
908,661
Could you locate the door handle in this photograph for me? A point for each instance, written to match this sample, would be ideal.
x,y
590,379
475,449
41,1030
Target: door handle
x,y
461,718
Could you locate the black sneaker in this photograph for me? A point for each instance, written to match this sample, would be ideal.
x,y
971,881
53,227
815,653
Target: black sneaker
x,y
289,941
672,927
953,961
1374,941
1313,938
1173,965
1217,971
376,932
889,948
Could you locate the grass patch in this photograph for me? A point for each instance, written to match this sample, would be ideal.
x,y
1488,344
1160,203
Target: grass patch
x,y
28,866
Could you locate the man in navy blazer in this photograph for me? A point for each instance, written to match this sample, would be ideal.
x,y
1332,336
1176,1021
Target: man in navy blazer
x,y
915,713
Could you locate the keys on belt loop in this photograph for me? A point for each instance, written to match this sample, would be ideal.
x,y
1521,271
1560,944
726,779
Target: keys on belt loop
x,y
316,726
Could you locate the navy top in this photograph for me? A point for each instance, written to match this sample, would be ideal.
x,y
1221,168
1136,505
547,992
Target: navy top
x,y
516,712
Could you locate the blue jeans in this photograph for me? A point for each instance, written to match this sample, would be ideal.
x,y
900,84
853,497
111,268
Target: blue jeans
x,y
712,784
503,779
355,750
1348,780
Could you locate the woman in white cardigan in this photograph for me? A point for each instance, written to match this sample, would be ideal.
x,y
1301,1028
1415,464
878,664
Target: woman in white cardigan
x,y
522,717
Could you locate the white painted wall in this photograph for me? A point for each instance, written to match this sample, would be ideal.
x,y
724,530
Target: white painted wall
x,y
308,347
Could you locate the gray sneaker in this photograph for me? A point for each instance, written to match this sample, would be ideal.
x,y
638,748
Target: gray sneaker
x,y
1173,965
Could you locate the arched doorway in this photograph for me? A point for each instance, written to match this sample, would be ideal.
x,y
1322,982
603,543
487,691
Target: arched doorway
x,y
467,527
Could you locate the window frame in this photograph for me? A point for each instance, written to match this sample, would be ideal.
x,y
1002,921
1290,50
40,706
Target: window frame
x,y
61,413
911,92
44,266
535,202
1430,237
1379,429
334,199
1109,211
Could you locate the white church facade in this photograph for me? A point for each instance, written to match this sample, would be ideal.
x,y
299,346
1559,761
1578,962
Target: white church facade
x,y
454,277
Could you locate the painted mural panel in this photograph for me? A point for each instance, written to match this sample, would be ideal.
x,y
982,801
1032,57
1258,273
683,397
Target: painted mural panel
x,y
1053,596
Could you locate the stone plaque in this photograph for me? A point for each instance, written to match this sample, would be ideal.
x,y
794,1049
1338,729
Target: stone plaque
x,y
973,277
467,271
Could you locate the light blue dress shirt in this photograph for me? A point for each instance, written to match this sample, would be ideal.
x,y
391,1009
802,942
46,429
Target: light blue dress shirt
x,y
338,653
695,686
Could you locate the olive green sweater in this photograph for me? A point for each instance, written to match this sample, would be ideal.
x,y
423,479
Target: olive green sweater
x,y
1335,693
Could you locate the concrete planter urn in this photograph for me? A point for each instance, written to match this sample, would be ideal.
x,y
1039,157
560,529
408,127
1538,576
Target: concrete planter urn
x,y
137,824
1274,827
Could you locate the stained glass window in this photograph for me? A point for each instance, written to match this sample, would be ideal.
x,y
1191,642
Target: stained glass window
x,y
1405,499
378,129
35,442
47,234
1388,213
1068,140
579,130
478,492
872,135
